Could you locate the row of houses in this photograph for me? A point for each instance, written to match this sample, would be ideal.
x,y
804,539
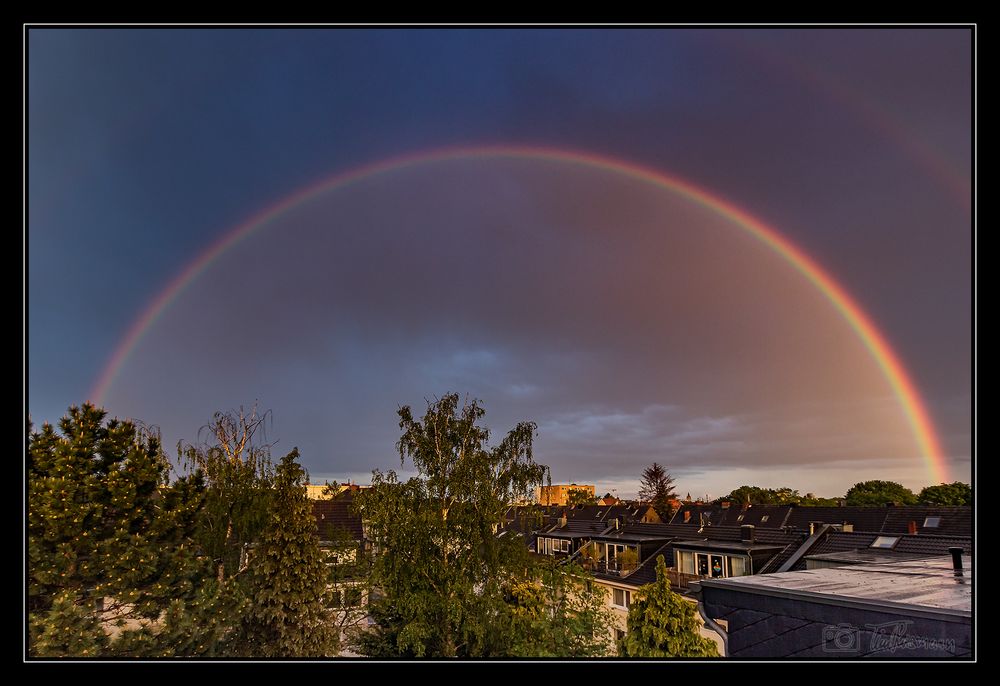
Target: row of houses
x,y
708,548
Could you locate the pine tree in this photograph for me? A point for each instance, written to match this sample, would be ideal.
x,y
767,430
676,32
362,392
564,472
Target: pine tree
x,y
109,538
658,490
662,624
287,586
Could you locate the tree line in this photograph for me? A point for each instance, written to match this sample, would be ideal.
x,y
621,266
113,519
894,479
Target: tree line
x,y
130,555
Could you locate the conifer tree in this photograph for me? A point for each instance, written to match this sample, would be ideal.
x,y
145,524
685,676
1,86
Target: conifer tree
x,y
662,624
287,585
109,538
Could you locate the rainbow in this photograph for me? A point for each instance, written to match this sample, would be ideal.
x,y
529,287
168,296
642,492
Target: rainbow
x,y
887,360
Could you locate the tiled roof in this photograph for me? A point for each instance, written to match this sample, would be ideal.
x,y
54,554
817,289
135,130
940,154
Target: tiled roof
x,y
868,519
844,541
955,521
336,514
761,516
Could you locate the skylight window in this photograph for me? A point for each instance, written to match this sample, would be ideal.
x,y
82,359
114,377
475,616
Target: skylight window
x,y
740,518
932,522
764,518
885,542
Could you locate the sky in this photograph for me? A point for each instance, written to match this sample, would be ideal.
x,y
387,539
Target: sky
x,y
632,323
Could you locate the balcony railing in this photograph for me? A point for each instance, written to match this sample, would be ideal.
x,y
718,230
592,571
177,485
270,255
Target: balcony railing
x,y
611,568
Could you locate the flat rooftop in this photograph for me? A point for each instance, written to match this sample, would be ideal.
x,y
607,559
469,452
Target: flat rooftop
x,y
929,584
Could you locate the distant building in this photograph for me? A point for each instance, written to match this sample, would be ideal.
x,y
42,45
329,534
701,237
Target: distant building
x,y
558,494
316,491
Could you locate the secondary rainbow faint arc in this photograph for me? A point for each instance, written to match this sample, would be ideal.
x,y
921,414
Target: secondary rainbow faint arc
x,y
888,362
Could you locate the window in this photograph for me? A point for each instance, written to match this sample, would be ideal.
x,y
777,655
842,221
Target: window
x,y
565,546
619,634
740,518
685,561
932,522
885,541
622,598
764,518
737,566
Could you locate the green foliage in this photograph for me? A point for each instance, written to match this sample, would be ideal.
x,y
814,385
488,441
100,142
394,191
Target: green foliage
x,y
67,629
662,624
446,584
581,497
560,612
628,560
657,489
239,479
956,493
287,586
875,493
104,522
755,495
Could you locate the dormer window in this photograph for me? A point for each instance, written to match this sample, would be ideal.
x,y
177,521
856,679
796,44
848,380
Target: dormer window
x,y
932,522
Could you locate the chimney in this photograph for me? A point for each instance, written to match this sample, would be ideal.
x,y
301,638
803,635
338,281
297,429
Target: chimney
x,y
687,516
616,523
911,528
956,558
562,521
725,504
813,526
746,533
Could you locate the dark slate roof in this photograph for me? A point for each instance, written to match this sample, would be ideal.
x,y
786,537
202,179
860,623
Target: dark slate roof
x,y
866,556
711,512
868,519
761,516
955,521
336,513
933,545
844,542
575,529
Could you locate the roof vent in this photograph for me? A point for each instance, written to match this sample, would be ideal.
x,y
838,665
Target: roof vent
x,y
956,558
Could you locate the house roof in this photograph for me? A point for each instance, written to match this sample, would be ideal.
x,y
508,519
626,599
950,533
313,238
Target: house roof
x,y
741,546
761,516
862,518
852,542
336,514
954,521
928,586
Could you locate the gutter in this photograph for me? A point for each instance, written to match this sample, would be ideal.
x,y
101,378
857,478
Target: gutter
x,y
695,590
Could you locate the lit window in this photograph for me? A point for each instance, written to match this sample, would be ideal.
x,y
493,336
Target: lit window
x,y
932,522
885,541
565,546
622,598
